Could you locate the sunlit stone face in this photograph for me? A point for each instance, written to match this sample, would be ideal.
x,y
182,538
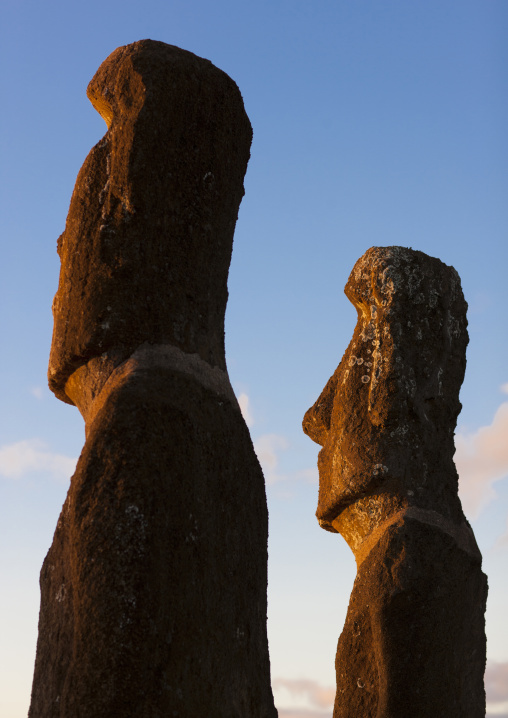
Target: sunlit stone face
x,y
160,191
384,406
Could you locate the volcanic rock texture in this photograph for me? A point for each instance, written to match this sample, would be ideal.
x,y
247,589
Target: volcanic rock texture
x,y
414,639
154,590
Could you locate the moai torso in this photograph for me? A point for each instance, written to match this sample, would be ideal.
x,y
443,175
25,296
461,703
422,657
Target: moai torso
x,y
414,640
154,590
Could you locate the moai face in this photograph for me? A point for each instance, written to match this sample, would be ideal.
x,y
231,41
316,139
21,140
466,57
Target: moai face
x,y
394,396
161,192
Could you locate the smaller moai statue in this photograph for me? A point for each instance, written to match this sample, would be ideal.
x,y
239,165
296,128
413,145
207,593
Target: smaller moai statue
x,y
413,643
153,593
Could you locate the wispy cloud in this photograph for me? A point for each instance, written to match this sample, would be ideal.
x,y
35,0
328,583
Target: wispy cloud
x,y
302,698
481,458
496,682
309,699
312,692
32,455
502,541
268,448
304,713
244,402
37,391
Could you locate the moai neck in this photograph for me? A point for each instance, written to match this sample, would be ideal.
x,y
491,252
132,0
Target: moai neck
x,y
90,386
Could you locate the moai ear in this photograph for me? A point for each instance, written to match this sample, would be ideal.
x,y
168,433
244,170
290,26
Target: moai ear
x,y
316,422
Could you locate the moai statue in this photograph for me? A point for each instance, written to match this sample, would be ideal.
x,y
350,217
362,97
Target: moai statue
x,y
413,643
154,590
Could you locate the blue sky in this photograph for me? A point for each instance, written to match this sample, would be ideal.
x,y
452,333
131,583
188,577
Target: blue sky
x,y
375,123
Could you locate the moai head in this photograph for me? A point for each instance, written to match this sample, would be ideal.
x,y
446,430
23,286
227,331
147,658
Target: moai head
x,y
387,416
146,249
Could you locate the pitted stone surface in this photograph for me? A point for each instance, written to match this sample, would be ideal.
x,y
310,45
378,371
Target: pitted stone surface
x,y
153,593
414,638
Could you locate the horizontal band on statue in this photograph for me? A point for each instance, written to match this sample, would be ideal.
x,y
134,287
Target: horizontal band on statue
x,y
90,386
462,533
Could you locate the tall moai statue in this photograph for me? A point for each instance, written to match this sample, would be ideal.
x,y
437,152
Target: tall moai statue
x,y
154,589
413,643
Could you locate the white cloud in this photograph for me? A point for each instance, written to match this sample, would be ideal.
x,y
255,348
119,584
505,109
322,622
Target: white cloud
x,y
302,698
504,388
503,539
31,455
267,448
482,459
299,713
309,699
496,683
244,402
37,391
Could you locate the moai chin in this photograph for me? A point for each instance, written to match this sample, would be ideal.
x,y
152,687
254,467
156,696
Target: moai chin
x,y
413,643
153,593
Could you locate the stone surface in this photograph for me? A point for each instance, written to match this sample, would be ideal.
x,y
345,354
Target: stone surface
x,y
147,245
154,589
413,643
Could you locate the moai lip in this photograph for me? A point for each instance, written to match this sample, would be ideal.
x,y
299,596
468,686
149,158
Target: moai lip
x,y
153,593
414,638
